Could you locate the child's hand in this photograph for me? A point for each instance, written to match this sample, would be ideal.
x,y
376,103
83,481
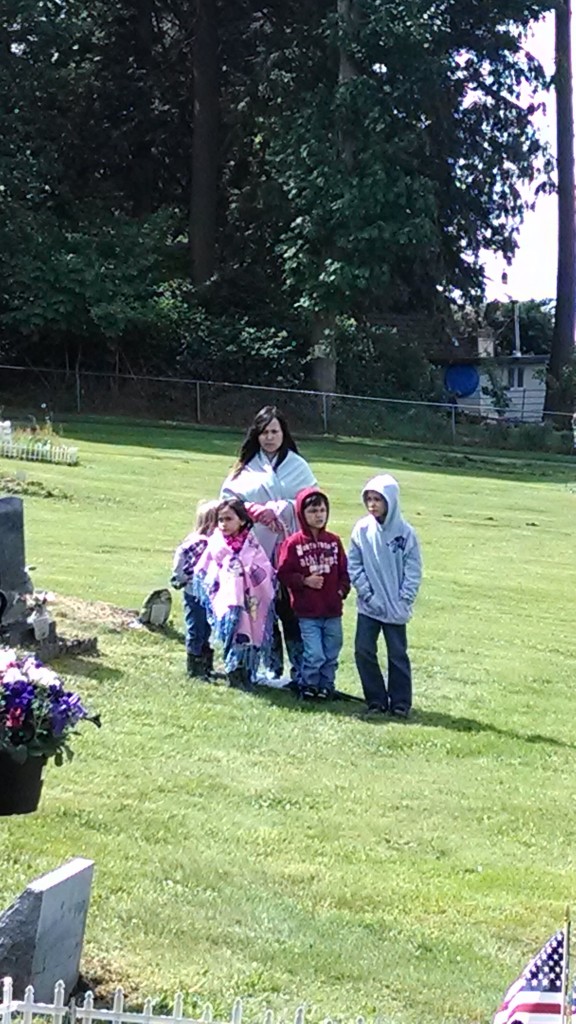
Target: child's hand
x,y
315,582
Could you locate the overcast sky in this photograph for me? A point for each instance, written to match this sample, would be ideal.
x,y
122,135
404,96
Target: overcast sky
x,y
533,272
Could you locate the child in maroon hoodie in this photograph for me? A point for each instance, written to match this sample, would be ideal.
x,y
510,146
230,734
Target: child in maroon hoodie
x,y
312,565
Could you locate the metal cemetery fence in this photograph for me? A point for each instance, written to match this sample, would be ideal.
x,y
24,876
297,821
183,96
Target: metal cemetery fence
x,y
226,404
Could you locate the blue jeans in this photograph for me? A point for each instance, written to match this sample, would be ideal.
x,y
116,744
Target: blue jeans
x,y
399,692
292,638
322,640
197,628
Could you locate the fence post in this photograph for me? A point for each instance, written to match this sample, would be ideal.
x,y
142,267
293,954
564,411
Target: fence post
x,y
325,411
453,421
198,407
7,1000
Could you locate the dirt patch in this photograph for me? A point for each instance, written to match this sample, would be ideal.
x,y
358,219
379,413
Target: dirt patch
x,y
18,483
88,614
102,976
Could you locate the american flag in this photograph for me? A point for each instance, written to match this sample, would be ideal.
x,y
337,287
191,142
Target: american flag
x,y
536,996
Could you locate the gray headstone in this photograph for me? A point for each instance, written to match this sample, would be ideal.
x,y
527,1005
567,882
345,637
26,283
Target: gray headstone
x,y
13,575
14,580
42,933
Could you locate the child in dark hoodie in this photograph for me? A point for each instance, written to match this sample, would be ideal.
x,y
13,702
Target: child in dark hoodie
x,y
312,566
386,571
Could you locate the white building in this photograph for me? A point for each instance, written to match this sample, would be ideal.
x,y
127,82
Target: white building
x,y
512,387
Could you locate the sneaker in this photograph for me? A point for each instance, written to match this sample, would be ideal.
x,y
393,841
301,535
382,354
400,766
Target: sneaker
x,y
375,711
326,692
401,712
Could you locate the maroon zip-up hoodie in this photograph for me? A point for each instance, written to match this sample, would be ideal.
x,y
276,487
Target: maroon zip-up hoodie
x,y
303,555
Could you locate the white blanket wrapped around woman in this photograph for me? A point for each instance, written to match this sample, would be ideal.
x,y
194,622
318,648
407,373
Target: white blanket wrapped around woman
x,y
273,486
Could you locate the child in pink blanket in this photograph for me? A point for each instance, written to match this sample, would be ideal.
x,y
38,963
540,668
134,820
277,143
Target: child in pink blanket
x,y
236,583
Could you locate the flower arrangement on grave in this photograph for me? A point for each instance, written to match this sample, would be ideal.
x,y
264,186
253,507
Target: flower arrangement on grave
x,y
38,715
35,442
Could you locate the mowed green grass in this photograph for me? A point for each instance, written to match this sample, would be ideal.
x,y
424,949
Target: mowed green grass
x,y
248,846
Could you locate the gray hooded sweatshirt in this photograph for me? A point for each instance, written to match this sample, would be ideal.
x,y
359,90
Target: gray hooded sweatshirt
x,y
384,560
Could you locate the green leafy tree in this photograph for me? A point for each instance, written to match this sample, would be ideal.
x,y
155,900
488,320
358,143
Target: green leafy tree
x,y
535,322
398,170
306,166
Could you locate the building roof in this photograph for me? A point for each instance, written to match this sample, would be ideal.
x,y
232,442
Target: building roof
x,y
525,359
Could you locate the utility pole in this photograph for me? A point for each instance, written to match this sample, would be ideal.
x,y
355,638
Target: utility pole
x,y
517,346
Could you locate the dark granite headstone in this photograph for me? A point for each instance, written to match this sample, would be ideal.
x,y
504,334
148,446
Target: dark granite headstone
x,y
13,575
14,580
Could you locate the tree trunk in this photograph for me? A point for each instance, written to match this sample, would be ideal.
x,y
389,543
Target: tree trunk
x,y
563,339
142,155
346,73
324,363
204,143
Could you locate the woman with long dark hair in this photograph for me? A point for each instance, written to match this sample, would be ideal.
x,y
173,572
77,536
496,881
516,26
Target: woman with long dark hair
x,y
268,475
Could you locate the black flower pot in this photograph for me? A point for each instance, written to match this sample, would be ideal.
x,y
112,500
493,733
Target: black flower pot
x,y
20,785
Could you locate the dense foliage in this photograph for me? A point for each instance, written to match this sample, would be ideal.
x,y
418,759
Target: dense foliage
x,y
535,325
183,185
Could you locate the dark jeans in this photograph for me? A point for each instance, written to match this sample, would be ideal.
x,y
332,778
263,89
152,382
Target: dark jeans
x,y
399,692
292,638
197,628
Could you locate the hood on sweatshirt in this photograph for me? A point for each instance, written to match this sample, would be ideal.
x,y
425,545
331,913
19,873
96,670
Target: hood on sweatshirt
x,y
389,488
301,498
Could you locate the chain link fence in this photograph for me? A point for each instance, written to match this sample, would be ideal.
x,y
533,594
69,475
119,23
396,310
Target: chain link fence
x,y
34,392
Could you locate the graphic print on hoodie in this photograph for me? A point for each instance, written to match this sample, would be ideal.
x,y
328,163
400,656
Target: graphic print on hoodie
x,y
384,559
304,555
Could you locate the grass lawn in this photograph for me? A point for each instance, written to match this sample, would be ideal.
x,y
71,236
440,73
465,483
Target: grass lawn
x,y
248,846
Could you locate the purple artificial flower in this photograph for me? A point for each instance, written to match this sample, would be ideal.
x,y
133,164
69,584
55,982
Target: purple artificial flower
x,y
18,694
66,709
35,709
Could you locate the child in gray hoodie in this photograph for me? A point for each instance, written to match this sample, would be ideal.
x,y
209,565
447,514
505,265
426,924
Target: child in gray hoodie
x,y
385,569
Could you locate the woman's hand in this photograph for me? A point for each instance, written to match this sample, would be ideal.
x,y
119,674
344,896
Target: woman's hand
x,y
264,516
268,518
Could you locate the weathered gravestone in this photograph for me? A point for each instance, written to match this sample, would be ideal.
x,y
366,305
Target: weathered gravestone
x,y
14,580
42,933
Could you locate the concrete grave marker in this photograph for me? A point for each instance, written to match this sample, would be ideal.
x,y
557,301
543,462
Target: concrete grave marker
x,y
14,579
42,933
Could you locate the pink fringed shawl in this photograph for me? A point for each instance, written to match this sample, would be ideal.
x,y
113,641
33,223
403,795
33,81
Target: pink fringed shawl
x,y
237,589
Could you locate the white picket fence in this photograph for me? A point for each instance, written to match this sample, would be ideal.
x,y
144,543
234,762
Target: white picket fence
x,y
39,452
23,1011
